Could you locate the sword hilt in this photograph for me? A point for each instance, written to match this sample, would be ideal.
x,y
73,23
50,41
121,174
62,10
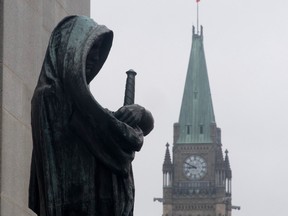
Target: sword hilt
x,y
130,88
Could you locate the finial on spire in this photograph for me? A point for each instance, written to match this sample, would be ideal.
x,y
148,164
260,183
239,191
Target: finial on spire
x,y
201,30
226,152
167,159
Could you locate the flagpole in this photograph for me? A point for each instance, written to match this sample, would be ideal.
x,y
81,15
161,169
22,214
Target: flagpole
x,y
197,17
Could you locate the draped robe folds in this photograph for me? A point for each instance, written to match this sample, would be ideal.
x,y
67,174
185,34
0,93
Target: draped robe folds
x,y
81,159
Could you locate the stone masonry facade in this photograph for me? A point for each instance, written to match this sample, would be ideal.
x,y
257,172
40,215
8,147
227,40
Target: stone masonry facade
x,y
25,28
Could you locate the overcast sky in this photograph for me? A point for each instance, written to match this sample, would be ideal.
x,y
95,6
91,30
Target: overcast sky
x,y
246,47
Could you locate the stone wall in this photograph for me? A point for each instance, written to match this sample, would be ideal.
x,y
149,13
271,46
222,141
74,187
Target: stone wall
x,y
25,27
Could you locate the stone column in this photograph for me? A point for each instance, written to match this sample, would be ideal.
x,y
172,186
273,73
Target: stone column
x,y
25,28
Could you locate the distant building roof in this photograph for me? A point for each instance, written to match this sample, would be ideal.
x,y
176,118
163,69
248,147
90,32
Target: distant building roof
x,y
196,114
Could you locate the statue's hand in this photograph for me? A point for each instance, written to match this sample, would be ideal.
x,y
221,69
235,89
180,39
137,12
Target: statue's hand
x,y
130,114
135,115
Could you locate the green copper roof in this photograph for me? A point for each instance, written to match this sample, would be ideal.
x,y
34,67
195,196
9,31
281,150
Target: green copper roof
x,y
196,114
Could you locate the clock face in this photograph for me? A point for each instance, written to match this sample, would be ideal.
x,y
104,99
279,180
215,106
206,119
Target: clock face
x,y
195,167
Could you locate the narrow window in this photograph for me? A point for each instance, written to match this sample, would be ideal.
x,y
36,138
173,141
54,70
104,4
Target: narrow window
x,y
188,127
201,129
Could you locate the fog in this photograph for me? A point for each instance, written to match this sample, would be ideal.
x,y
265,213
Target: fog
x,y
246,52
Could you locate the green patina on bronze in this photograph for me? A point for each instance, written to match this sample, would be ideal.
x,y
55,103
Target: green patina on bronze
x,y
196,115
82,152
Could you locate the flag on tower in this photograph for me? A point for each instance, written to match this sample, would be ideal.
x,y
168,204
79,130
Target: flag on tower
x,y
197,1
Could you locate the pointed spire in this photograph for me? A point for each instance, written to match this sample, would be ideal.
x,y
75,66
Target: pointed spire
x,y
227,166
167,165
196,114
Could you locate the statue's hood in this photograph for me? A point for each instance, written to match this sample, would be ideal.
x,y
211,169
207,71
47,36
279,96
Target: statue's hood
x,y
77,45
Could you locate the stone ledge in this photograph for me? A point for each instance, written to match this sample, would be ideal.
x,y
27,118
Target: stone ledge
x,y
10,207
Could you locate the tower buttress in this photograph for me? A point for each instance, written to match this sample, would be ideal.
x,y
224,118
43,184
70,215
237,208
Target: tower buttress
x,y
167,168
167,183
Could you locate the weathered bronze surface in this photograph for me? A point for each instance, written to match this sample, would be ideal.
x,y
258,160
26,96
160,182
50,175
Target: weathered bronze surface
x,y
82,153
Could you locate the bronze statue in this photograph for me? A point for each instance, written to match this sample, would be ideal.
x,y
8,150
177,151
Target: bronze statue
x,y
82,153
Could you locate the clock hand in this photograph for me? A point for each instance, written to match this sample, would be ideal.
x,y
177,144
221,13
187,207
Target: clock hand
x,y
191,166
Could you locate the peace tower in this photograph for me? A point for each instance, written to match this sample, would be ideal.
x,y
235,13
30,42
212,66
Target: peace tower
x,y
197,179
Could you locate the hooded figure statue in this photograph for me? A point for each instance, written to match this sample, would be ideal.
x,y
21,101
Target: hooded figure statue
x,y
82,153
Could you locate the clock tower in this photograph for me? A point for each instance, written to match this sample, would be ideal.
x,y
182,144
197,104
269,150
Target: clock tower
x,y
197,180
